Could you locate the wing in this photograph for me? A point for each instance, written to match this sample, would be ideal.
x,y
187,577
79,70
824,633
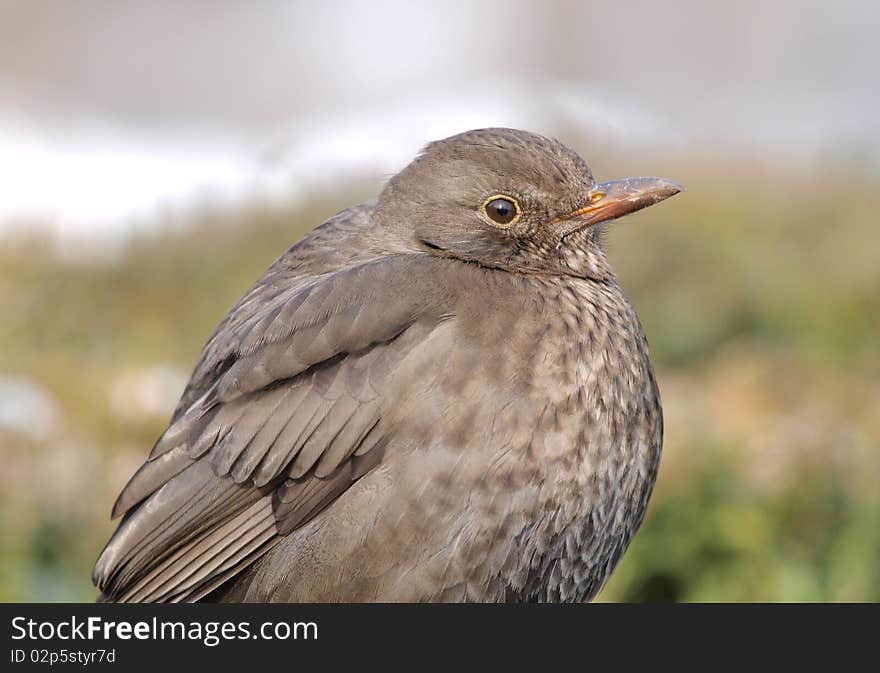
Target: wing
x,y
339,243
288,416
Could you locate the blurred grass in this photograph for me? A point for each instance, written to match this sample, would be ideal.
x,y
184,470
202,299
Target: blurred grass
x,y
762,310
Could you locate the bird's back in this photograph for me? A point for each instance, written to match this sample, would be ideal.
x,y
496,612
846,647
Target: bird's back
x,y
340,242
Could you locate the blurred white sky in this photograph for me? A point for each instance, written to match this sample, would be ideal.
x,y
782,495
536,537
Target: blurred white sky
x,y
111,110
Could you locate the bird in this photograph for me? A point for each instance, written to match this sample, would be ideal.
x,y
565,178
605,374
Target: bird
x,y
439,395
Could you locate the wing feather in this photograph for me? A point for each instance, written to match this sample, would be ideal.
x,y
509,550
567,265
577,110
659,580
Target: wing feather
x,y
288,415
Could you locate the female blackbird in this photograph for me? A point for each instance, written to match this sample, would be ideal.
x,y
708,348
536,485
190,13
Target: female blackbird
x,y
442,395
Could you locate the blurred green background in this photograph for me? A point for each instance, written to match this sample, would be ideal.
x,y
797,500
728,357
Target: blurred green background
x,y
759,290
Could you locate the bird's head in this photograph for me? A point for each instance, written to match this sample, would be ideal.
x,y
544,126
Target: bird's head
x,y
513,200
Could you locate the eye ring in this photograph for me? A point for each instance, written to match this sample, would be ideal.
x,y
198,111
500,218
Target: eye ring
x,y
502,210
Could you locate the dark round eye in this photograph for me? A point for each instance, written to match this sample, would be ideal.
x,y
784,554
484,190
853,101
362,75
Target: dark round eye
x,y
501,209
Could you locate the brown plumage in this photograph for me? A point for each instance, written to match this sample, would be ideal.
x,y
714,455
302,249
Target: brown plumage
x,y
439,396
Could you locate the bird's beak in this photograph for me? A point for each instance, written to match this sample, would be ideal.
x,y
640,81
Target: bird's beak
x,y
616,198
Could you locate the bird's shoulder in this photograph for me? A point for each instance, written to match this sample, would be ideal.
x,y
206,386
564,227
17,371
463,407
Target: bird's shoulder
x,y
341,243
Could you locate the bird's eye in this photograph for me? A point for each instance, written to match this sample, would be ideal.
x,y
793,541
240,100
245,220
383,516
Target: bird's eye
x,y
502,210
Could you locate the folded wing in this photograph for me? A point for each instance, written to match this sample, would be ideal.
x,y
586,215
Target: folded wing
x,y
289,415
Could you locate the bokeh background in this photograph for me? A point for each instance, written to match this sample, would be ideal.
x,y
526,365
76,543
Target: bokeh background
x,y
156,156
